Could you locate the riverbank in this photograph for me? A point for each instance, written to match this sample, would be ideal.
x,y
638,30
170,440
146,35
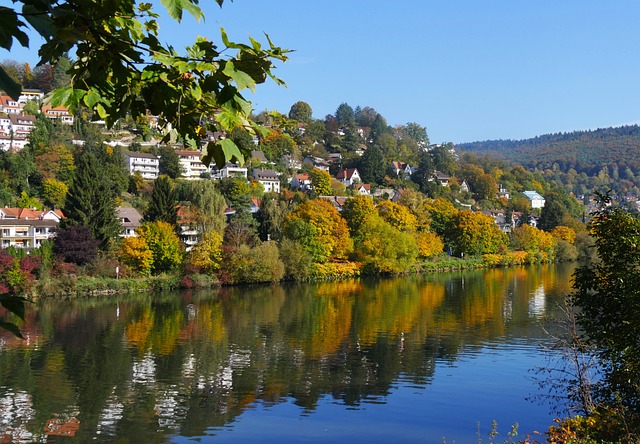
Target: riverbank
x,y
79,285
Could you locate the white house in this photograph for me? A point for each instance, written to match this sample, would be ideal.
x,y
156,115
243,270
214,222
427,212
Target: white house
x,y
268,178
349,176
130,219
192,166
535,199
146,164
229,170
26,228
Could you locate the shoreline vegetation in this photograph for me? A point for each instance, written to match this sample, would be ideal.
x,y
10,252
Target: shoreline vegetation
x,y
83,285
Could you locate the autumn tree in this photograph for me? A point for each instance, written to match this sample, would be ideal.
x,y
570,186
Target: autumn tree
x,y
318,226
383,248
207,255
398,216
54,192
320,182
165,246
205,196
474,233
356,211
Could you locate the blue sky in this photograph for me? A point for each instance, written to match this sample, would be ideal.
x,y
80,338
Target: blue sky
x,y
466,70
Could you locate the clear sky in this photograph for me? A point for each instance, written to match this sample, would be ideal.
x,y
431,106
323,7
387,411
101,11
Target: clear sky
x,y
466,70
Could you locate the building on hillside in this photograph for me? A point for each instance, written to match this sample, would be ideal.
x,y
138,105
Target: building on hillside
x,y
317,162
188,227
21,127
259,155
59,113
30,94
27,228
399,168
147,164
535,199
9,106
441,178
268,178
229,170
301,182
362,189
191,163
349,177
130,220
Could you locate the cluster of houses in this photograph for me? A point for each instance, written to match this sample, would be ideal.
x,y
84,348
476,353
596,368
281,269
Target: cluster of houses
x,y
15,125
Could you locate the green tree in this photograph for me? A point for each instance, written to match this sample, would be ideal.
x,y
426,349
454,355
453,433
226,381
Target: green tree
x,y
382,248
90,201
345,116
607,293
552,214
122,67
372,165
207,199
356,211
169,162
417,132
165,246
164,199
301,111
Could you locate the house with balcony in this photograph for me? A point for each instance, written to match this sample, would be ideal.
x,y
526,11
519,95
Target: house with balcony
x,y
191,164
148,165
59,113
229,170
27,228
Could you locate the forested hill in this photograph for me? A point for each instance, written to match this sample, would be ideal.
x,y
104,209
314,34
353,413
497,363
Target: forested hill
x,y
581,150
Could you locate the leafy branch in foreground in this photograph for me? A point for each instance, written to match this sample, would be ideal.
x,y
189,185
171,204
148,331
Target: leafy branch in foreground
x,y
121,68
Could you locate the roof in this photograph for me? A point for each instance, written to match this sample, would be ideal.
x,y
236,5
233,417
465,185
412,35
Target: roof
x,y
140,154
346,174
15,118
129,216
265,174
532,195
8,213
187,153
258,155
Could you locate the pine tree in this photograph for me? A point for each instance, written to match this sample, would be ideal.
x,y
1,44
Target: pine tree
x,y
163,202
91,202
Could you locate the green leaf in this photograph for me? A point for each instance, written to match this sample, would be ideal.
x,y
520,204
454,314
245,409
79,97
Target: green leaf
x,y
242,79
12,328
41,22
222,151
193,9
91,98
8,85
174,8
10,29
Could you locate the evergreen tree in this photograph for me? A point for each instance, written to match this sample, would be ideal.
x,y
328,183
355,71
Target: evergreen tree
x,y
90,201
372,166
345,116
164,199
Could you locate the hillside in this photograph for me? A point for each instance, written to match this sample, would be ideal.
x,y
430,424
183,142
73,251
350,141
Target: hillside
x,y
581,150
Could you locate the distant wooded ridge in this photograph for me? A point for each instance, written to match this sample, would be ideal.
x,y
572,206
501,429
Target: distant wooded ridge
x,y
580,150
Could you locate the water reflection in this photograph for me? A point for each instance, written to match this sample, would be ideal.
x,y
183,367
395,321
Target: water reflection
x,y
148,368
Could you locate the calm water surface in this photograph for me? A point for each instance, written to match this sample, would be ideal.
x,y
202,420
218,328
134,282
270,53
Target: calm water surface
x,y
414,359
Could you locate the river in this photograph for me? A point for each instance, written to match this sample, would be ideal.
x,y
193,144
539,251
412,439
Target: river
x,y
417,359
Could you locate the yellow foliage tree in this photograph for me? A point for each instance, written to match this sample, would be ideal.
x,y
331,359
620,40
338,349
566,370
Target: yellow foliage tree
x,y
135,252
318,226
398,216
429,244
565,233
207,255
